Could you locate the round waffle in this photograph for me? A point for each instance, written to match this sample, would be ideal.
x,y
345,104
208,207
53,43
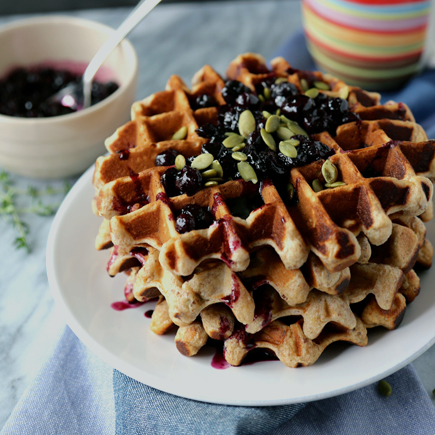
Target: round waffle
x,y
328,255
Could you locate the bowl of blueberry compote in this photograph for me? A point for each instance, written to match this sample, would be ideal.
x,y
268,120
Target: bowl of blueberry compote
x,y
38,57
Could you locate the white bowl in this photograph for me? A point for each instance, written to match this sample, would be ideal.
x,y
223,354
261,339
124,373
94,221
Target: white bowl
x,y
64,145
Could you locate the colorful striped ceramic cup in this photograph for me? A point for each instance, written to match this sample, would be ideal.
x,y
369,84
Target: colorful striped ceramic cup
x,y
375,44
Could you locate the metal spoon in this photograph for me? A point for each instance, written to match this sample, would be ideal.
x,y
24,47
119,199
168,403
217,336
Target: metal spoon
x,y
72,95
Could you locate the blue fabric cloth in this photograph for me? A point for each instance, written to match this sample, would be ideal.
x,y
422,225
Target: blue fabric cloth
x,y
76,393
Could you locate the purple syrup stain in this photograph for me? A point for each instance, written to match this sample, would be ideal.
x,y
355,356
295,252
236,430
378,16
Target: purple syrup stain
x,y
125,305
218,361
224,326
148,314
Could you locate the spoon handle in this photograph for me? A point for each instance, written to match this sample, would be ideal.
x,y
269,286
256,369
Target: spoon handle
x,y
142,9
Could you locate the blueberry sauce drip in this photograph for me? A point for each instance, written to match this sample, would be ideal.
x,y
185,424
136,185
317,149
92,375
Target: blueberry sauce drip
x,y
193,217
234,296
149,314
24,92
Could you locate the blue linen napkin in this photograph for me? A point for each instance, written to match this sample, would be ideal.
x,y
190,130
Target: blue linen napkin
x,y
73,392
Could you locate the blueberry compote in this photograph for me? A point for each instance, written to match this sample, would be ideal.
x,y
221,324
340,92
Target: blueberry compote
x,y
264,158
193,217
24,92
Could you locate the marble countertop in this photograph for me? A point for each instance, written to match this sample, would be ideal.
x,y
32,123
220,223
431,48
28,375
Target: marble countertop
x,y
174,39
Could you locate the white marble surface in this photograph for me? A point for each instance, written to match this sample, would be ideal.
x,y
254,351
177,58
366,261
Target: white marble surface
x,y
174,39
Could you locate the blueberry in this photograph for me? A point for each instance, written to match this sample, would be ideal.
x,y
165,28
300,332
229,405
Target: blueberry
x,y
166,158
185,222
203,101
168,182
188,180
232,90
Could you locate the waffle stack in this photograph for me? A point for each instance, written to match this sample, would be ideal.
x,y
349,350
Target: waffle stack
x,y
323,252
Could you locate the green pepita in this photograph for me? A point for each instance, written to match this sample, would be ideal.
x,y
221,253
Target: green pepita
x,y
296,129
211,183
267,93
317,185
180,134
272,123
241,157
238,147
304,85
202,161
218,168
288,150
231,133
293,142
266,114
278,112
180,162
268,138
344,92
322,85
280,80
209,173
246,123
232,141
312,93
284,133
290,190
261,98
336,184
329,172
218,179
247,172
384,388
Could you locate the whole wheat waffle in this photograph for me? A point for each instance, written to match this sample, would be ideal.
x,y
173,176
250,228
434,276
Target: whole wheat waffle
x,y
314,259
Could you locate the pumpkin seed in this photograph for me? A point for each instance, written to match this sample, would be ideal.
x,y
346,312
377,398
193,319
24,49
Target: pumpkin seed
x,y
291,191
180,134
218,168
293,142
266,114
209,173
218,179
288,150
246,123
202,161
284,118
317,185
384,388
261,98
232,141
344,92
329,172
322,85
296,129
180,162
231,133
336,184
268,139
280,80
211,183
284,133
247,172
267,94
304,85
241,157
312,93
272,123
278,112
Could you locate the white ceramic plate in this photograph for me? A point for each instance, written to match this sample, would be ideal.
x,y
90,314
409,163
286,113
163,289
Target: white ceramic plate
x,y
84,292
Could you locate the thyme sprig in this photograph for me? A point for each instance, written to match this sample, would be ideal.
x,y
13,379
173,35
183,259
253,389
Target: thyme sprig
x,y
11,212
